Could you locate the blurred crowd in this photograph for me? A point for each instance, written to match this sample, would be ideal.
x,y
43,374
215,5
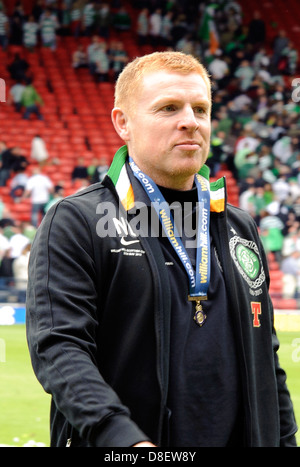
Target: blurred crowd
x,y
255,114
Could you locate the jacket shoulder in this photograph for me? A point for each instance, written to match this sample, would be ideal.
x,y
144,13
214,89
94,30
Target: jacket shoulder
x,y
235,211
84,200
240,217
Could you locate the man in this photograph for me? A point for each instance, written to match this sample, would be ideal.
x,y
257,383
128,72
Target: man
x,y
31,101
39,187
48,24
4,28
15,95
118,326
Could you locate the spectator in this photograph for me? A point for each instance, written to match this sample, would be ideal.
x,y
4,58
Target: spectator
x,y
39,187
245,161
3,149
18,68
8,163
233,15
20,272
247,138
19,161
30,33
4,29
39,151
15,95
18,241
17,185
98,170
122,20
92,54
217,152
245,74
290,266
38,10
76,17
271,228
31,101
119,58
92,46
257,31
291,54
17,21
260,59
155,25
280,42
88,18
186,45
4,244
259,203
80,171
91,168
179,29
101,61
265,160
103,20
291,241
79,57
48,26
166,29
281,187
246,198
296,208
6,272
219,68
142,28
294,189
64,19
58,194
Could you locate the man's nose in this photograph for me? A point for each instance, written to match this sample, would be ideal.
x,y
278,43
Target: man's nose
x,y
188,120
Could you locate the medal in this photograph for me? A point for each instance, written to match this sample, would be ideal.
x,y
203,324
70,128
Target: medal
x,y
200,316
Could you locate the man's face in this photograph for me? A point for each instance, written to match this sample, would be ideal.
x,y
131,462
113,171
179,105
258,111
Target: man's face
x,y
168,136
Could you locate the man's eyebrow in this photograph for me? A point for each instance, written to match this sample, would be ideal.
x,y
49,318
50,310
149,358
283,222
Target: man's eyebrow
x,y
203,101
175,99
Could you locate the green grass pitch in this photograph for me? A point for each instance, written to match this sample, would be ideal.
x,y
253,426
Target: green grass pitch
x,y
24,406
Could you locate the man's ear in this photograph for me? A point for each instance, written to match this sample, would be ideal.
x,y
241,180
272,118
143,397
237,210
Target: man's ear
x,y
120,123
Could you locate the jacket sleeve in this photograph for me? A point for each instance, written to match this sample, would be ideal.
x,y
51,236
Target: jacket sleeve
x,y
62,327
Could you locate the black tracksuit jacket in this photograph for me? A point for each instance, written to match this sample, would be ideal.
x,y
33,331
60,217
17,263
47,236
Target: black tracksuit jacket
x,y
98,328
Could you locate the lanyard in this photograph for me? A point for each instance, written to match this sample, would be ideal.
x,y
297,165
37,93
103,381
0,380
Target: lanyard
x,y
199,279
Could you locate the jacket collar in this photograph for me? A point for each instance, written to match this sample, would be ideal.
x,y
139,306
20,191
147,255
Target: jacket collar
x,y
119,177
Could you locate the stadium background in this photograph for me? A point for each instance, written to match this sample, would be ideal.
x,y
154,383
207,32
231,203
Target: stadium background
x,y
76,124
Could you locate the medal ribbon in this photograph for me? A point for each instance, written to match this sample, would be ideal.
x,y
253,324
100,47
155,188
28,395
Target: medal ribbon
x,y
199,279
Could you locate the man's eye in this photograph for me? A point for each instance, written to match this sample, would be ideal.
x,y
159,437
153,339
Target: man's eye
x,y
169,108
200,110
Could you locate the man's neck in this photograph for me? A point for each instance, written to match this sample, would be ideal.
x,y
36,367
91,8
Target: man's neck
x,y
181,196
